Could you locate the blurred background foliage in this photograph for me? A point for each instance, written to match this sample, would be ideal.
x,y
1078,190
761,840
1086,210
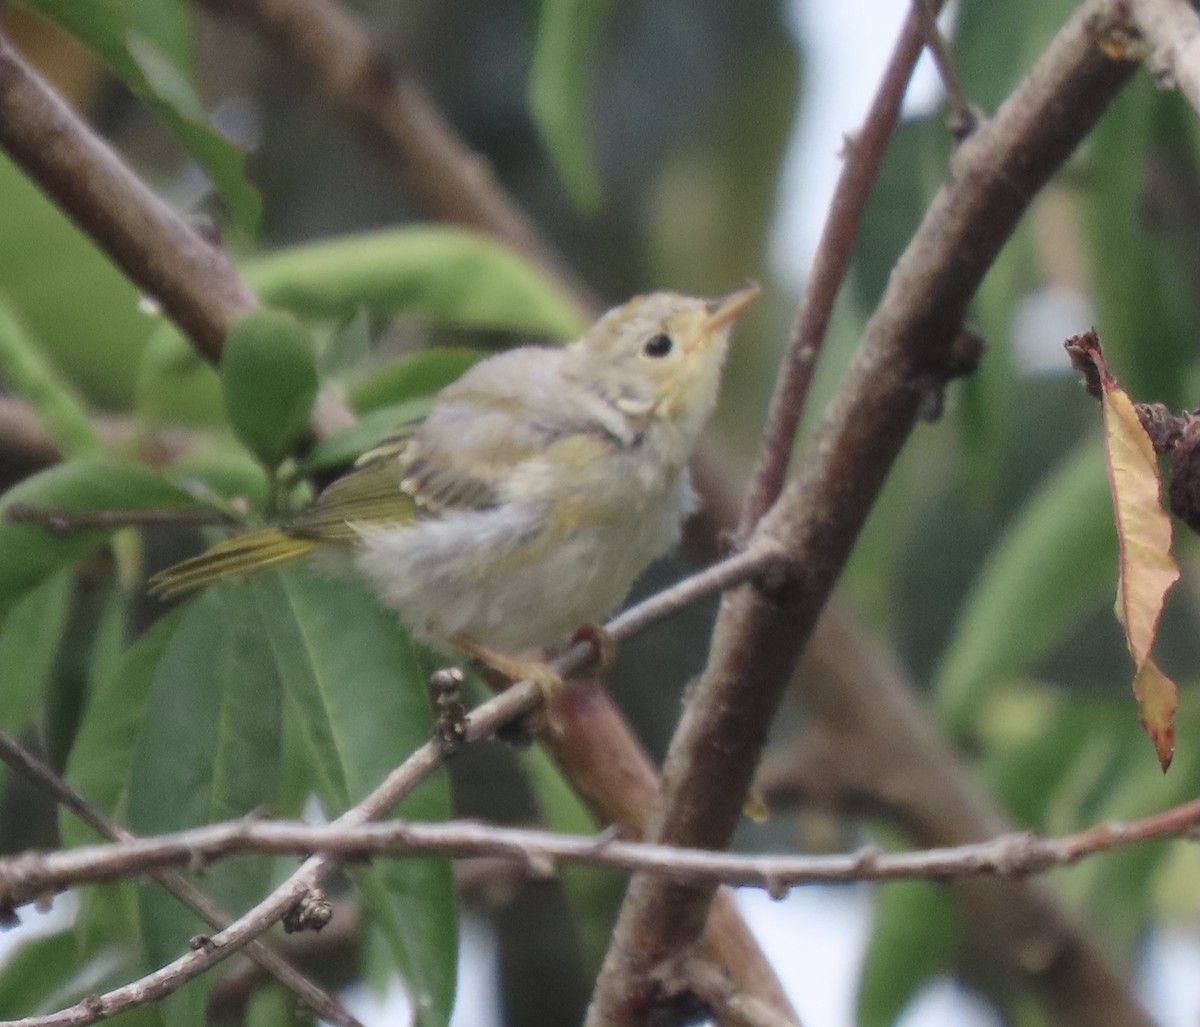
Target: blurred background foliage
x,y
646,140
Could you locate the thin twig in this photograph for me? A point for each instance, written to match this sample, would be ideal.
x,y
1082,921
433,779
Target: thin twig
x,y
23,762
863,157
68,521
962,116
1172,29
908,348
26,877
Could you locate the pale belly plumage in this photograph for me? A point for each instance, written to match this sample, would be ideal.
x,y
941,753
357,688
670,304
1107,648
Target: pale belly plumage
x,y
502,578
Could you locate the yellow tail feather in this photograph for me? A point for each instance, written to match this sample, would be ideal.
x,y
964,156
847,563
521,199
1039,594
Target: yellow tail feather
x,y
253,552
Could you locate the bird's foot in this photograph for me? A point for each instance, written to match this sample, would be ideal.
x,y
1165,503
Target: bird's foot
x,y
548,681
604,646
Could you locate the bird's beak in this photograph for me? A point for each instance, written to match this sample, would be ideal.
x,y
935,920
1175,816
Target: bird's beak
x,y
722,312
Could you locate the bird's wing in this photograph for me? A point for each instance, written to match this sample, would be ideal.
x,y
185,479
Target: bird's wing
x,y
414,474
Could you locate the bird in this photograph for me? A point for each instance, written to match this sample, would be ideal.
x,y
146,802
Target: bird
x,y
525,503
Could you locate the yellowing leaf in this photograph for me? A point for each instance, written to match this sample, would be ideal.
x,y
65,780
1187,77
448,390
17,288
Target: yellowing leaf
x,y
1148,570
1157,698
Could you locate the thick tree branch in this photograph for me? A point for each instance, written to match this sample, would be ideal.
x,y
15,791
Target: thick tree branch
x,y
32,769
909,349
26,877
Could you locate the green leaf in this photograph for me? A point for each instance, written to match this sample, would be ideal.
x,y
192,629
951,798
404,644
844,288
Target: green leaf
x,y
95,338
413,376
101,758
208,751
1140,285
916,929
567,34
26,370
38,968
356,685
594,894
447,276
29,553
269,378
348,347
147,45
28,643
99,768
345,446
174,383
1056,562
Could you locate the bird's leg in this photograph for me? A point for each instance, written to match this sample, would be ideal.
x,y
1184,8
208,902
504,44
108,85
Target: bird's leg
x,y
547,679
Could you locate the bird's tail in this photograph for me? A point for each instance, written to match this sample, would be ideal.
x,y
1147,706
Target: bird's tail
x,y
253,552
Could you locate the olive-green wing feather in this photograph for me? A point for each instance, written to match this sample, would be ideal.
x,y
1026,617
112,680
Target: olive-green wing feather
x,y
256,551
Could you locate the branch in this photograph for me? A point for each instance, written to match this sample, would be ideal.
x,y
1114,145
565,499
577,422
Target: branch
x,y
863,156
69,520
191,279
1172,28
26,877
909,348
962,118
32,769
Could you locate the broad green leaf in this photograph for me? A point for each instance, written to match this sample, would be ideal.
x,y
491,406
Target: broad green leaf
x,y
447,276
567,34
208,751
345,446
220,472
29,553
347,347
594,894
95,338
99,768
1052,565
400,393
413,376
269,378
275,1006
1141,287
25,370
913,168
28,641
174,383
356,685
38,969
47,974
147,45
101,759
916,929
1114,890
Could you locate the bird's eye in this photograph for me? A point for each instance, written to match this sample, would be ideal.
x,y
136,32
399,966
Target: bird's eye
x,y
659,346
